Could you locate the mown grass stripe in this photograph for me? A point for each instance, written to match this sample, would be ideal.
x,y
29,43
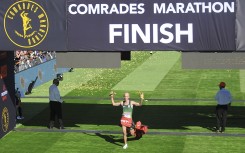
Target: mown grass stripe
x,y
120,132
242,80
147,76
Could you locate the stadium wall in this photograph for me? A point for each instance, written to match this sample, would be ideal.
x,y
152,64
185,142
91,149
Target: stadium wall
x,y
41,73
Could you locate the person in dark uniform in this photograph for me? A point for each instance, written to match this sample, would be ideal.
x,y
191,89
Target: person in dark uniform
x,y
55,104
224,99
19,114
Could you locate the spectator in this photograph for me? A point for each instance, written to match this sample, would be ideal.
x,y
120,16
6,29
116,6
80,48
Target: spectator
x,y
26,59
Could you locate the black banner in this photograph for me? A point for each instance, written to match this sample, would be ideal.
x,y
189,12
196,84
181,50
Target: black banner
x,y
151,25
7,104
36,24
109,25
240,25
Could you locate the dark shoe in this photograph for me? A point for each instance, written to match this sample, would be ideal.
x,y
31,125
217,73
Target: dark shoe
x,y
61,124
51,125
222,130
218,130
20,117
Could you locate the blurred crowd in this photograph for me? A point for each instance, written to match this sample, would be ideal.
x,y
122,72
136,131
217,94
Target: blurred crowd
x,y
26,59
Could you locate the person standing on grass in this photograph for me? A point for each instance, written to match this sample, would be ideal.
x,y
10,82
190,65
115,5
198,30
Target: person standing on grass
x,y
224,100
18,105
126,120
55,103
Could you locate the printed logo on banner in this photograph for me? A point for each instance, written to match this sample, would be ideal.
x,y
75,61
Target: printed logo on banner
x,y
3,71
4,93
26,23
5,119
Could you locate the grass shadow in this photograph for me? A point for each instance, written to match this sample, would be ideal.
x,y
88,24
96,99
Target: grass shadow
x,y
155,116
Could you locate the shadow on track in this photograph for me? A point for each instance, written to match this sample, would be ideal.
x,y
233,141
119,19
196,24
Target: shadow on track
x,y
155,116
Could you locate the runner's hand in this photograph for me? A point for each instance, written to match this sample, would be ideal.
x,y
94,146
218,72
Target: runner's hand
x,y
112,93
141,95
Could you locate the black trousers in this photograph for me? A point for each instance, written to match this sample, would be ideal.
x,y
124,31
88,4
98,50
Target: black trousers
x,y
55,110
221,116
19,109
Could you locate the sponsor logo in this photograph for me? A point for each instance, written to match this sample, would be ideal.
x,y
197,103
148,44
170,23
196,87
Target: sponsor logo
x,y
5,119
26,23
4,93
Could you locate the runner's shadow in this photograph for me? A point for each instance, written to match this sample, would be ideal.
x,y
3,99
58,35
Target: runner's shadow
x,y
108,138
116,140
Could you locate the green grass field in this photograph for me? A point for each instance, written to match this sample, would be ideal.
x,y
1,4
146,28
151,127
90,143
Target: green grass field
x,y
179,110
